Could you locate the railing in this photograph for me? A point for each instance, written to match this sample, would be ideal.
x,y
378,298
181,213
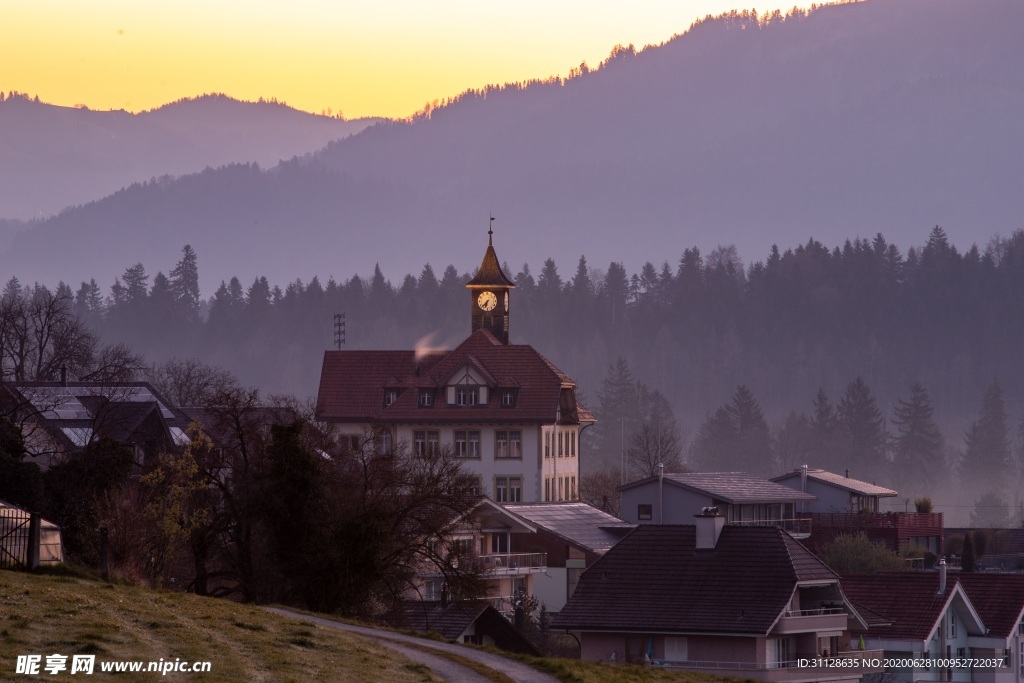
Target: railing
x,y
814,612
879,520
514,562
794,525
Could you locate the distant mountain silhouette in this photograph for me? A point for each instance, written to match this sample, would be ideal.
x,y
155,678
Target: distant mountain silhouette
x,y
884,116
54,157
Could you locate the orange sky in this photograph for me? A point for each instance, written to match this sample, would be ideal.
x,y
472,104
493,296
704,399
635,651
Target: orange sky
x,y
385,58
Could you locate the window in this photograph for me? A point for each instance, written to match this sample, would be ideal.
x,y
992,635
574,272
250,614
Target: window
x,y
519,585
473,639
467,444
508,398
426,398
425,443
572,489
547,444
508,489
389,397
547,488
385,442
644,511
466,396
952,625
508,444
432,589
561,450
499,543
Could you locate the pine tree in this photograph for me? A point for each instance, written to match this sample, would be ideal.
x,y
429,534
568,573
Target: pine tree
x,y
861,430
618,415
184,280
735,438
918,443
986,459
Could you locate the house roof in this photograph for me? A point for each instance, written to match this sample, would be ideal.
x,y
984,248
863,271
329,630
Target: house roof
x,y
730,487
998,599
654,579
852,485
909,600
71,411
455,618
576,523
352,385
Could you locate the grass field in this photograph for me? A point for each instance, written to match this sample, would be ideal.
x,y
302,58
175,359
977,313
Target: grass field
x,y
67,614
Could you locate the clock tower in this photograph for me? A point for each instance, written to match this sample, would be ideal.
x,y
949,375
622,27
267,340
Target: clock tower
x,y
489,295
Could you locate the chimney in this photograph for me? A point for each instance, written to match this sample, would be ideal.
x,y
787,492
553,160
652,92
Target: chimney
x,y
942,576
709,528
661,493
63,374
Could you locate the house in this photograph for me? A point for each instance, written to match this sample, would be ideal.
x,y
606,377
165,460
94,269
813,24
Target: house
x,y
845,505
61,419
484,538
506,412
926,615
745,601
999,601
473,622
572,535
742,498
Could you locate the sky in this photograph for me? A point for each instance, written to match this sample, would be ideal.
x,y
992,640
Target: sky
x,y
359,58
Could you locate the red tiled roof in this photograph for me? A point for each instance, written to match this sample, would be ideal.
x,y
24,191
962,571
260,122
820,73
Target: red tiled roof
x,y
352,384
655,580
998,599
909,599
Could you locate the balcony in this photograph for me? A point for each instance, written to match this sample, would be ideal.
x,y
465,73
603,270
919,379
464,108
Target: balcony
x,y
509,564
798,527
799,670
807,620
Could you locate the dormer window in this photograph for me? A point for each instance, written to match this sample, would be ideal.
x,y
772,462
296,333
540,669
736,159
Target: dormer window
x,y
389,396
508,398
426,398
466,396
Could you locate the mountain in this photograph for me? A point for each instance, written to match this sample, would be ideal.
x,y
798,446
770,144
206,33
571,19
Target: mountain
x,y
886,116
54,157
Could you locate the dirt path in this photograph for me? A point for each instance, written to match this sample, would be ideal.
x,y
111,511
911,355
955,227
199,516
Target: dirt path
x,y
441,667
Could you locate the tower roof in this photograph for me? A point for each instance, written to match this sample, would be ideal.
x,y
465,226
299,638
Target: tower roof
x,y
490,273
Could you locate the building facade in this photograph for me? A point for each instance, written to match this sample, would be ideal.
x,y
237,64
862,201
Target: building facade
x,y
506,412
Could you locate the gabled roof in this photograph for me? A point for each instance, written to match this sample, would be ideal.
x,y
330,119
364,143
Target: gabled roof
x,y
454,619
576,523
352,385
909,600
71,411
730,487
998,598
852,485
654,579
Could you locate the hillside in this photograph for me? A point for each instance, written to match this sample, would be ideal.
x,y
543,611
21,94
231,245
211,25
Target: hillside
x,y
66,615
883,116
55,157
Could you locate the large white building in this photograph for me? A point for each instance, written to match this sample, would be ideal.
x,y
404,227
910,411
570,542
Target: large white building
x,y
505,411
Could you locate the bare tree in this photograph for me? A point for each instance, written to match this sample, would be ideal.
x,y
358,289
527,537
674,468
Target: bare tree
x,y
653,444
190,382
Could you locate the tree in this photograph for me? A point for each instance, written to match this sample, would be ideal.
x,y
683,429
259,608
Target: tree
x,y
990,512
918,444
184,280
968,560
861,429
190,382
735,437
857,554
618,414
985,464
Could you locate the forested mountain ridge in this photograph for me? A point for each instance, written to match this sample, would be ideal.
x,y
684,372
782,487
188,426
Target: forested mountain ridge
x,y
55,157
884,116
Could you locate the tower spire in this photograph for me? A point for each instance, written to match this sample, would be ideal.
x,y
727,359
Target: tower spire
x,y
490,232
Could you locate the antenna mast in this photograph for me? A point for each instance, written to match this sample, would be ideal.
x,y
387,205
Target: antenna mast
x,y
339,330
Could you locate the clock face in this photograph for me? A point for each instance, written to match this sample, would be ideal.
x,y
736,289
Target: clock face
x,y
487,301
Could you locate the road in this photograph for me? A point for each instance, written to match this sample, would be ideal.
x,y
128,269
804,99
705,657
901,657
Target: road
x,y
442,667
